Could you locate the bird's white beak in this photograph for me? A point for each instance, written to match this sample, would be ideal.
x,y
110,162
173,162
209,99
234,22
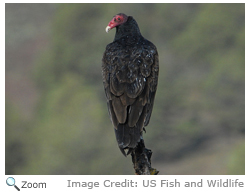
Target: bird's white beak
x,y
107,29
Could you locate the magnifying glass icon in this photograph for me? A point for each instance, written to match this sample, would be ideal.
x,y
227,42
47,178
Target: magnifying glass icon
x,y
11,182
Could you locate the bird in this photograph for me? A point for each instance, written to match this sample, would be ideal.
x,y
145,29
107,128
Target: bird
x,y
130,68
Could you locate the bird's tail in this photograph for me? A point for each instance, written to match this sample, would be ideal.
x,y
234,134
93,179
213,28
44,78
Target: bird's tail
x,y
127,138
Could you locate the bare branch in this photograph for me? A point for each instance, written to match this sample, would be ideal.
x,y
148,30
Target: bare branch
x,y
141,158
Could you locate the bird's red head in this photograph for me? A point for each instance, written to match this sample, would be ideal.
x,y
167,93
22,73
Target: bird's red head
x,y
116,20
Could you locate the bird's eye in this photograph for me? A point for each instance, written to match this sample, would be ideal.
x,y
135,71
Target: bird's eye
x,y
118,18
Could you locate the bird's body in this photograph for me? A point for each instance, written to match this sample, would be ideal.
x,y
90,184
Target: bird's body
x,y
130,74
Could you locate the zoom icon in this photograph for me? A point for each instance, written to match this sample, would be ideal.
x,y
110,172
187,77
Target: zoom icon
x,y
11,182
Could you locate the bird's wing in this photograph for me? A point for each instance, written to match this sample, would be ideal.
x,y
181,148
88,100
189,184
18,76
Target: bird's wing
x,y
152,84
130,81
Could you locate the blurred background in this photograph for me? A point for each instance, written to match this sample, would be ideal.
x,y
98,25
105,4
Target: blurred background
x,y
56,115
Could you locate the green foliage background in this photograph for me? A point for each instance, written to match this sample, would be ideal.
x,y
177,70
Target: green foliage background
x,y
200,97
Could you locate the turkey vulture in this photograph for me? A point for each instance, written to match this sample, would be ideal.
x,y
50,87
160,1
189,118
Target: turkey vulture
x,y
130,69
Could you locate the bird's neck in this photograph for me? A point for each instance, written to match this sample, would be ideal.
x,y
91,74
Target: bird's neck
x,y
128,29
